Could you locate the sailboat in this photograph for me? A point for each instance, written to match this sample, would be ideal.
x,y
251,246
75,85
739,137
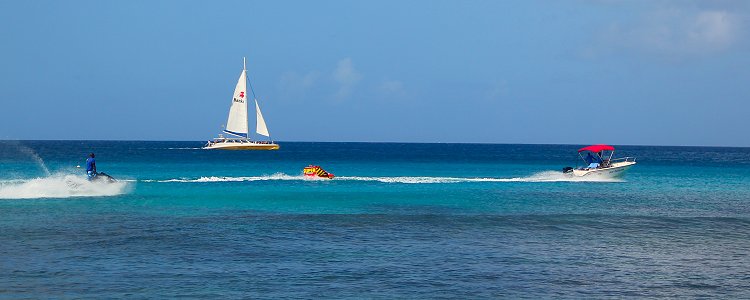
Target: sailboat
x,y
237,122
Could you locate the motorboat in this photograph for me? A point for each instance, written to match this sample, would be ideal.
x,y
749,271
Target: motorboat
x,y
598,163
316,172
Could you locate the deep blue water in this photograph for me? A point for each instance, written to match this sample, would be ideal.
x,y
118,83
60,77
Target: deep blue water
x,y
399,221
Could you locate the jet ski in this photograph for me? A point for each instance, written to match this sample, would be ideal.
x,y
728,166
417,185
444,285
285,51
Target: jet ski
x,y
316,172
103,177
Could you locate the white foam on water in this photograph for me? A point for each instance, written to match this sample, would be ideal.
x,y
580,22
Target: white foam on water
x,y
277,176
557,176
546,176
60,186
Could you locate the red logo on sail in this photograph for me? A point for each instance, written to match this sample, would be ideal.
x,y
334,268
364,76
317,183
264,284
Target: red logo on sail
x,y
242,94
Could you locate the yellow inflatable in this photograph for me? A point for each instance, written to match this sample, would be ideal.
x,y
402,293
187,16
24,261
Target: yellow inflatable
x,y
316,171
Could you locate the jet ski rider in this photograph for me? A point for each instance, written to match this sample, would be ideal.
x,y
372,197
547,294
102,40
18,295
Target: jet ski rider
x,y
90,167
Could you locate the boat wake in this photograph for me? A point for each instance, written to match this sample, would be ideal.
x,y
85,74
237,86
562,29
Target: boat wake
x,y
546,176
277,176
59,186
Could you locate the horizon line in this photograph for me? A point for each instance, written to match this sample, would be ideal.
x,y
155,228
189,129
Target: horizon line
x,y
376,142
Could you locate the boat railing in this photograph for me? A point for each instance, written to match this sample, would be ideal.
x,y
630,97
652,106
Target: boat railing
x,y
623,159
239,141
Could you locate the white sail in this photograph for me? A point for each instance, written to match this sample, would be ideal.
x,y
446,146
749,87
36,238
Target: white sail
x,y
260,128
237,121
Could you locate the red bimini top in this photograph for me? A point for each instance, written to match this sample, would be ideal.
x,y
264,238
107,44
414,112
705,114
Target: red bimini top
x,y
597,148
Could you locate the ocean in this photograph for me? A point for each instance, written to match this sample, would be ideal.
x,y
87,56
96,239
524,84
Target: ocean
x,y
399,221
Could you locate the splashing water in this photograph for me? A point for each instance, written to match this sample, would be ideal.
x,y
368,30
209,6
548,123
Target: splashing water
x,y
17,152
60,186
35,156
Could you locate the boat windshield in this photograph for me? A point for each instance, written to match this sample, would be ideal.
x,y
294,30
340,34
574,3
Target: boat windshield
x,y
601,158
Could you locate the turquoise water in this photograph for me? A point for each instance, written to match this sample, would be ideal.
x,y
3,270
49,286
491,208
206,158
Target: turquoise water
x,y
398,221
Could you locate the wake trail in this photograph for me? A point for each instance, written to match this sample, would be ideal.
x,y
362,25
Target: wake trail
x,y
547,176
60,186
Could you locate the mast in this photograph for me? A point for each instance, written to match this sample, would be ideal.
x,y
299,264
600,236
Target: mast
x,y
244,70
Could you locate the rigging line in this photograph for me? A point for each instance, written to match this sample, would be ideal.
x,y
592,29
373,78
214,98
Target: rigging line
x,y
251,88
247,78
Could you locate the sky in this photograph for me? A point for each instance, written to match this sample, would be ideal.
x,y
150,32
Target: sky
x,y
540,72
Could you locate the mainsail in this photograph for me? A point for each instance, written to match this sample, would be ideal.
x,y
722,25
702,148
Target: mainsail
x,y
260,128
237,121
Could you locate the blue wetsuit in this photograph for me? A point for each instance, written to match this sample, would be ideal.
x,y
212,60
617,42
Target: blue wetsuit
x,y
90,167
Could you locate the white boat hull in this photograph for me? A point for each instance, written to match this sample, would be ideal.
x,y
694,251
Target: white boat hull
x,y
229,145
615,170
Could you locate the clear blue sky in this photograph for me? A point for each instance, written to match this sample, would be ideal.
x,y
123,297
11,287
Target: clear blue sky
x,y
573,72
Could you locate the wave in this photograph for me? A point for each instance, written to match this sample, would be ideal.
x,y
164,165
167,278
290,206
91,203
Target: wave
x,y
547,176
59,186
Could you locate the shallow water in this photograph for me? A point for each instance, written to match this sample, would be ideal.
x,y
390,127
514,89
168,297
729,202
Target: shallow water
x,y
398,221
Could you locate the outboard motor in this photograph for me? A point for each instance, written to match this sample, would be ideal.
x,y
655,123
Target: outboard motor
x,y
567,170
